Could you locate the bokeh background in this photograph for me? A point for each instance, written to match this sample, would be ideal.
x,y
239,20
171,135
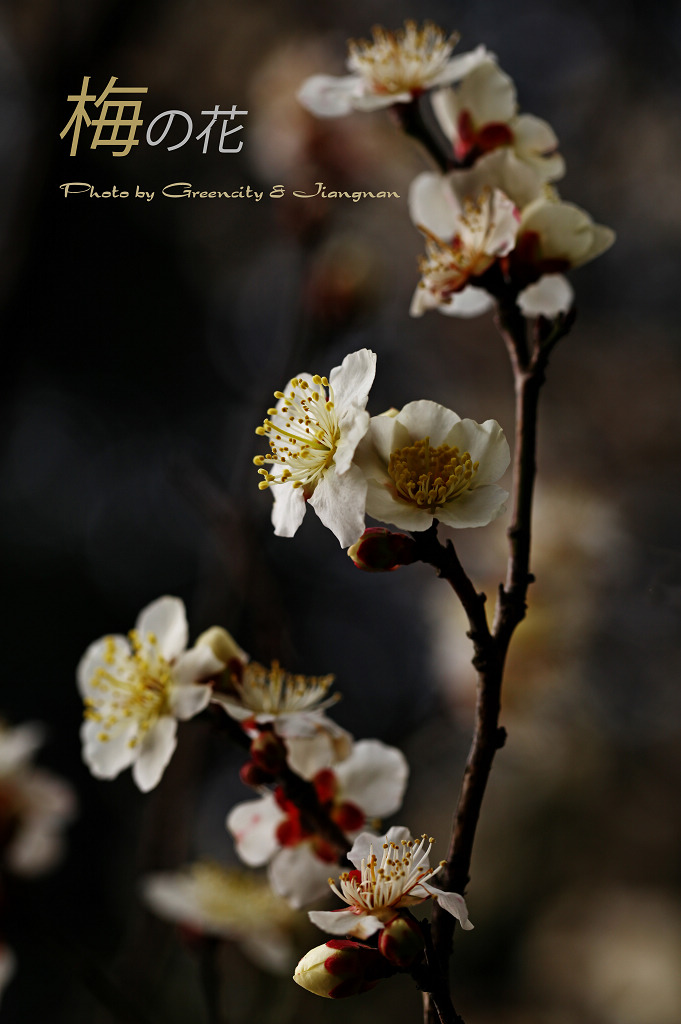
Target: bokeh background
x,y
142,341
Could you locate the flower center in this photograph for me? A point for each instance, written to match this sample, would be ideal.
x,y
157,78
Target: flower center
x,y
403,61
385,883
430,477
303,433
131,686
277,692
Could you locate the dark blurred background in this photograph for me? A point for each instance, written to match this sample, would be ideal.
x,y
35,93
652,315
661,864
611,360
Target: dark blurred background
x,y
142,341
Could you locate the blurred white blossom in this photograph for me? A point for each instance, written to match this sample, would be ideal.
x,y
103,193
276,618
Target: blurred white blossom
x,y
136,688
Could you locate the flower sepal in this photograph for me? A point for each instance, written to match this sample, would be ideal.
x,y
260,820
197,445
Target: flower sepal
x,y
340,968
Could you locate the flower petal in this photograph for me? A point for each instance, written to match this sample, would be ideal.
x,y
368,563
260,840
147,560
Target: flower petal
x,y
288,510
188,699
340,503
155,752
461,65
535,141
335,922
94,659
298,875
352,380
427,419
487,445
195,664
550,295
469,302
166,618
452,903
106,759
386,508
361,847
374,777
253,824
434,205
478,507
329,95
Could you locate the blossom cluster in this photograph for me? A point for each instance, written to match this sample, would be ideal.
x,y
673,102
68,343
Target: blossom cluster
x,y
496,232
495,226
405,467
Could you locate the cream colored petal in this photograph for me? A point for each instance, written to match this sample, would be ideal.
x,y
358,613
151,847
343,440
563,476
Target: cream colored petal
x,y
167,620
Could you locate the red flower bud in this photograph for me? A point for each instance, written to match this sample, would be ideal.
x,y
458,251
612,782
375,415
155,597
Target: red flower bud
x,y
379,550
401,941
340,968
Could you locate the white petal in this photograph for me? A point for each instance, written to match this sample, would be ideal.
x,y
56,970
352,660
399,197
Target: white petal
x,y
155,752
329,95
452,903
550,295
461,65
427,419
166,618
386,508
340,503
307,755
352,380
565,231
487,445
298,875
488,94
361,847
500,169
195,664
368,100
18,745
93,660
253,824
506,221
535,141
107,759
353,424
374,777
433,205
335,922
603,238
188,699
474,508
387,434
288,510
469,302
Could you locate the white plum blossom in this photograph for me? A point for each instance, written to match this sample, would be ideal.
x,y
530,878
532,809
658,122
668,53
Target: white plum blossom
x,y
551,237
313,432
136,688
369,783
472,239
393,67
424,462
481,116
35,805
293,705
397,876
210,899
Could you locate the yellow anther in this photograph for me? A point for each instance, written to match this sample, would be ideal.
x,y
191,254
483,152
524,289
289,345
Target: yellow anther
x,y
260,431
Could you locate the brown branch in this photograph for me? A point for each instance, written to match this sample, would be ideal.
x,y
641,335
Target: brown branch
x,y
490,648
410,119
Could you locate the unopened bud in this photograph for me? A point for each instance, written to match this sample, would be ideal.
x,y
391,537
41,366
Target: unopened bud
x,y
340,968
223,645
379,550
401,941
